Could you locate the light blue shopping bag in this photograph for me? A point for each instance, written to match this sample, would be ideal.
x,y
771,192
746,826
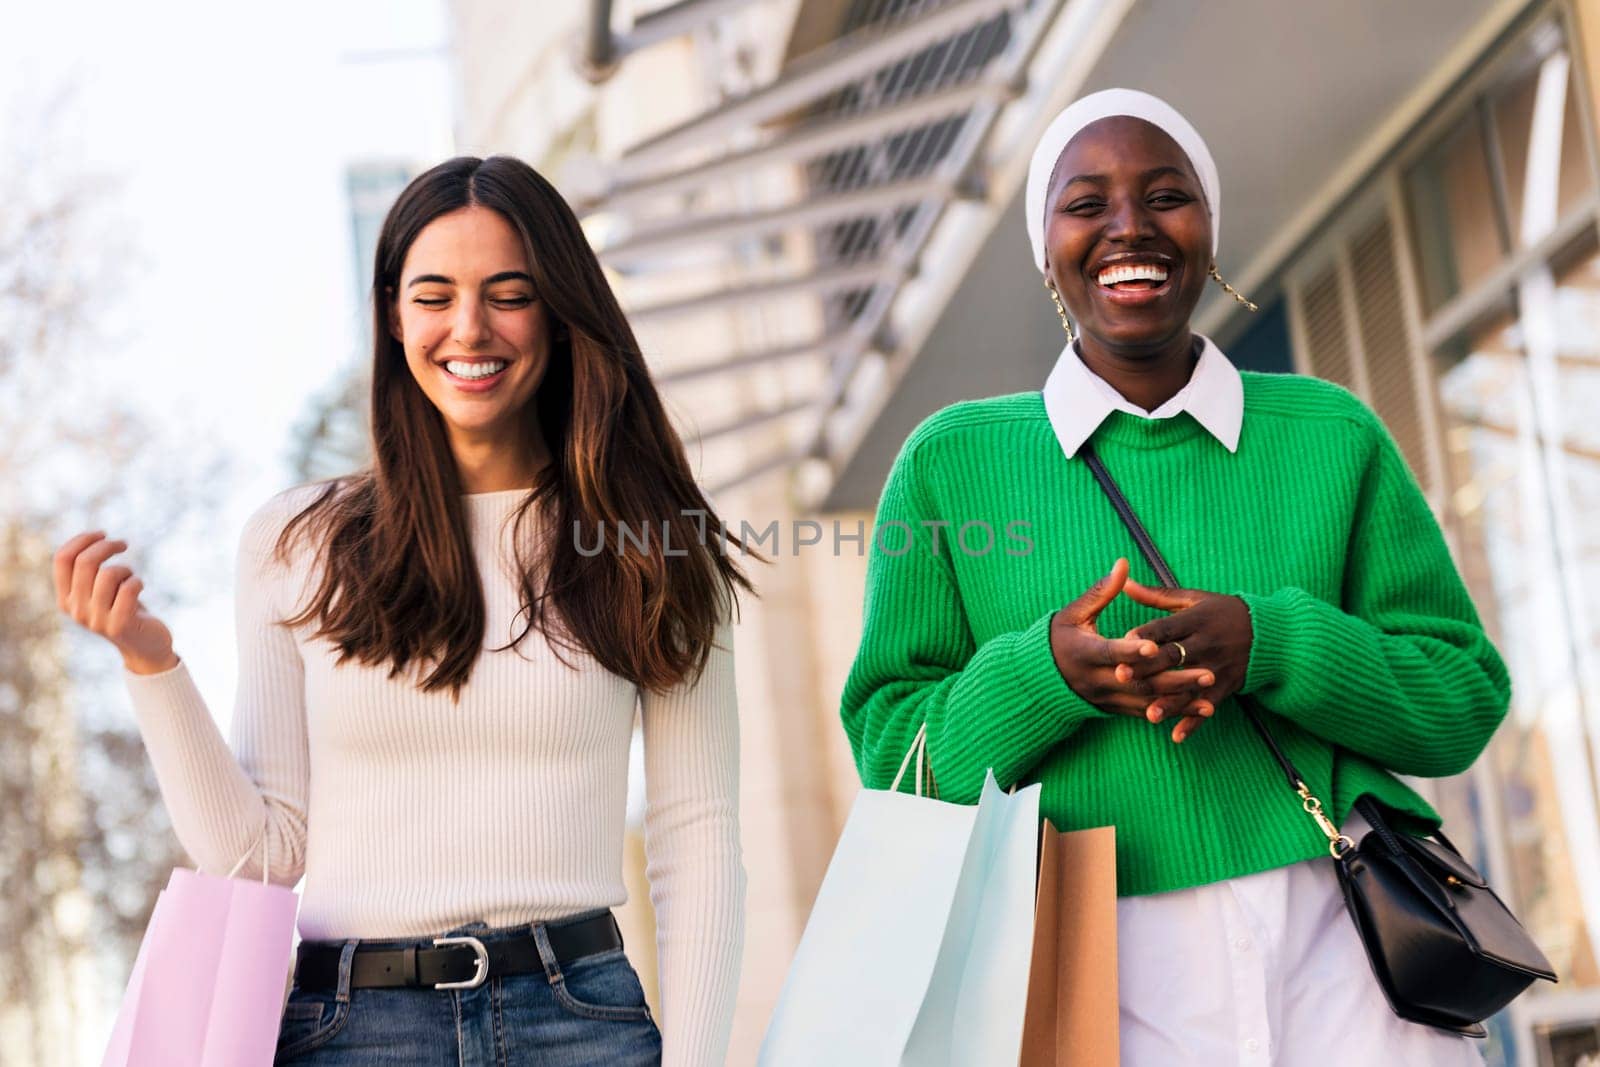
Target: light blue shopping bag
x,y
918,947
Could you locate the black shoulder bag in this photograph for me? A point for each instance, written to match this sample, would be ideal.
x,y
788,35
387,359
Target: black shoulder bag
x,y
1445,950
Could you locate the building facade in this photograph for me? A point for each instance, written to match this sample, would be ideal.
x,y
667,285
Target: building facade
x,y
812,211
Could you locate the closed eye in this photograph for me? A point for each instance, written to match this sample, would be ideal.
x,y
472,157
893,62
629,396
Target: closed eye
x,y
512,302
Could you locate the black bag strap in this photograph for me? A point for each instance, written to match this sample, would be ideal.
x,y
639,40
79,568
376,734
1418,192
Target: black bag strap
x,y
1338,844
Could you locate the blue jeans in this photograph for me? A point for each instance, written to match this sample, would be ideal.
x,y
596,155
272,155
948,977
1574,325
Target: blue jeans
x,y
591,1011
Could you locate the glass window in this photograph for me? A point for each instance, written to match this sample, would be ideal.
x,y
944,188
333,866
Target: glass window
x,y
1489,441
1524,452
1576,390
1513,107
1468,193
1453,212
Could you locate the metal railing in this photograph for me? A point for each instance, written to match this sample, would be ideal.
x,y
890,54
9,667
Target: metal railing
x,y
885,124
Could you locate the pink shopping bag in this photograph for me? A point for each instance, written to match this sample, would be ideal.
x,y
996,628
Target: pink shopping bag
x,y
207,987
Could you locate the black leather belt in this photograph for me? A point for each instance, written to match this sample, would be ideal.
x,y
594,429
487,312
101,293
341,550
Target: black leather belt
x,y
460,962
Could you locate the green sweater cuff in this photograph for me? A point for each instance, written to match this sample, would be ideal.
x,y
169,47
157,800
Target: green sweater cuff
x,y
1047,708
1039,679
1269,651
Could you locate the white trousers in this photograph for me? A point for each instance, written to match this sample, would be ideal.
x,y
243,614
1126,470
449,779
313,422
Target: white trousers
x,y
1261,970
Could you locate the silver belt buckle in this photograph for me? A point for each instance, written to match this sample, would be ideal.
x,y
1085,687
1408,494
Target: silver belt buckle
x,y
480,972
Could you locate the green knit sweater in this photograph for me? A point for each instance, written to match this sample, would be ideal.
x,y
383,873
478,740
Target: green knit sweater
x,y
1367,650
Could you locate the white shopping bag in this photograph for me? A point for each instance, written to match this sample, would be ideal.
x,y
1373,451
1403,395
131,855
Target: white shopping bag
x,y
917,951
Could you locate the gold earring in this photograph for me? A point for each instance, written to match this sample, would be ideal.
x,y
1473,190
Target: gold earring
x,y
1061,311
1230,290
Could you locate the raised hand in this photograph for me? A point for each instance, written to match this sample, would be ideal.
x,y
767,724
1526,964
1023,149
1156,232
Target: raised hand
x,y
1204,630
1118,675
105,600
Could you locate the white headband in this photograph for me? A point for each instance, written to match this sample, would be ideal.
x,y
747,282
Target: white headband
x,y
1102,105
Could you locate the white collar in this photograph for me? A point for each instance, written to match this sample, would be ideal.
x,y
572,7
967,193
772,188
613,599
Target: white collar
x,y
1079,400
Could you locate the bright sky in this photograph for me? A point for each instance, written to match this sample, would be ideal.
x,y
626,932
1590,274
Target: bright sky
x,y
228,129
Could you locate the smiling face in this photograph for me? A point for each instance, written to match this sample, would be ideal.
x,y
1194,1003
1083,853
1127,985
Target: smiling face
x,y
476,338
1127,236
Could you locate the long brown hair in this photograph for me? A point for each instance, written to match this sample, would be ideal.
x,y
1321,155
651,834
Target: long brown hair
x,y
398,581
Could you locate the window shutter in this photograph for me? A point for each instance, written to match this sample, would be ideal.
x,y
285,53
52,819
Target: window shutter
x,y
1385,347
1354,330
1327,344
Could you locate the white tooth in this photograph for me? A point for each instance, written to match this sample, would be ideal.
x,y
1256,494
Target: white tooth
x,y
1136,272
474,370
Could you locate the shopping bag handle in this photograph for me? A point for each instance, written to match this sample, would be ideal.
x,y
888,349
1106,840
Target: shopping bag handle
x,y
919,750
266,857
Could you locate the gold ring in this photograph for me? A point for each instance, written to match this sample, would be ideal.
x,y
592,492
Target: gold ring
x,y
1183,655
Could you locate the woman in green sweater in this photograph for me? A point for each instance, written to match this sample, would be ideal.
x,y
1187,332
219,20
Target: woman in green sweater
x,y
1002,613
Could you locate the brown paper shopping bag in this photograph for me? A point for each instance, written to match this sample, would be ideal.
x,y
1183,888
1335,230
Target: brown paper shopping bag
x,y
1072,987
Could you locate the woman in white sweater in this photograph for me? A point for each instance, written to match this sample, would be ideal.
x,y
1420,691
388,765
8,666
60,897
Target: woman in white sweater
x,y
440,661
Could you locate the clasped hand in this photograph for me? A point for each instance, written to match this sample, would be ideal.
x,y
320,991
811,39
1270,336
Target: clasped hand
x,y
1181,665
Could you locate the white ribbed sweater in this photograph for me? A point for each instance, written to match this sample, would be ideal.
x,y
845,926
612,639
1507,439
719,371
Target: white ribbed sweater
x,y
409,814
